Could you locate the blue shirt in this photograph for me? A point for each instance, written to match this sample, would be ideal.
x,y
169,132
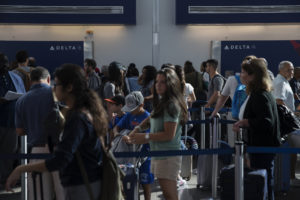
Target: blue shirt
x,y
129,121
115,121
78,135
133,84
31,111
9,81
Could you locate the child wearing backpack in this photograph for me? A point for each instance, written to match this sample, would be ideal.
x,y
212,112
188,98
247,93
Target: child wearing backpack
x,y
134,103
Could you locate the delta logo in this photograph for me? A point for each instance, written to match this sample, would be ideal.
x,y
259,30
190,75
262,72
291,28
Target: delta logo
x,y
65,48
239,47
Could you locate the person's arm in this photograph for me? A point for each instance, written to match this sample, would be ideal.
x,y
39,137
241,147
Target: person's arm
x,y
162,136
279,93
220,103
192,97
261,112
15,175
212,99
144,125
241,123
218,83
148,98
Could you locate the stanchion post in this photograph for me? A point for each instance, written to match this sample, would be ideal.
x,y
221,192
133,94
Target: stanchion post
x,y
215,157
239,168
202,117
24,193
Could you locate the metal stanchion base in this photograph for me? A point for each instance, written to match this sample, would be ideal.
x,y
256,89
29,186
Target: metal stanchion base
x,y
204,188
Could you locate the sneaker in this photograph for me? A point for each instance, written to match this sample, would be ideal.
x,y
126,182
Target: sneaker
x,y
181,183
295,182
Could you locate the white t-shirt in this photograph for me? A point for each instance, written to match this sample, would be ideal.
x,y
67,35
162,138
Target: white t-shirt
x,y
206,77
230,87
282,90
242,108
189,89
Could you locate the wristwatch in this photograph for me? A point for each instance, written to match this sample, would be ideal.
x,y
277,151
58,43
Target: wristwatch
x,y
147,136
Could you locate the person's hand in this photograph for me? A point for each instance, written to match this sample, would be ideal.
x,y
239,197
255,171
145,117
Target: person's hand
x,y
215,115
126,139
236,127
239,124
138,138
12,179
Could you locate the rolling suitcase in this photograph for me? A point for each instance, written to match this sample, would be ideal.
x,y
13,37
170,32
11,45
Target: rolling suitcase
x,y
131,182
204,166
255,184
205,162
282,171
186,165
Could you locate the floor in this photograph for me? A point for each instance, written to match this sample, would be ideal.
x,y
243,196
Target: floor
x,y
189,192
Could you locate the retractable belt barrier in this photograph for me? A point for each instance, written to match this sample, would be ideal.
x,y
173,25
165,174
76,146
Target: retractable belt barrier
x,y
248,149
238,151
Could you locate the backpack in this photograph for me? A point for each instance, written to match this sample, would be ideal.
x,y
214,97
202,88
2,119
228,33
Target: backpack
x,y
288,121
112,176
239,98
228,101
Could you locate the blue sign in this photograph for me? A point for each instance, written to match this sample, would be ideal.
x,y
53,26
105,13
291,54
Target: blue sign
x,y
237,11
49,54
68,12
233,53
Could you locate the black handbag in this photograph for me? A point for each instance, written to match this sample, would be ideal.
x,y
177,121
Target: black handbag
x,y
288,120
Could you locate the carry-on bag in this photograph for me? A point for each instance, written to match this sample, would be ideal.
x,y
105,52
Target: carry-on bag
x,y
118,145
131,181
187,161
205,162
255,184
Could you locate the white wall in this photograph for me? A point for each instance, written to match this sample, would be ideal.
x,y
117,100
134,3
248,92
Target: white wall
x,y
134,43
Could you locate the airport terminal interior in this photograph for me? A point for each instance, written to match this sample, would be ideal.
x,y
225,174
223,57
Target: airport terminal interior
x,y
225,36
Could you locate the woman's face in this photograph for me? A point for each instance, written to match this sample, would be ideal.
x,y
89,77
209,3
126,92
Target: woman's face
x,y
245,77
160,84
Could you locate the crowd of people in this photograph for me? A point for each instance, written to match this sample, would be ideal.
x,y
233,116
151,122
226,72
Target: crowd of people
x,y
100,103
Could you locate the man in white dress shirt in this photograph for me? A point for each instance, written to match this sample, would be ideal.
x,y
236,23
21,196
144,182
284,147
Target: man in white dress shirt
x,y
284,95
